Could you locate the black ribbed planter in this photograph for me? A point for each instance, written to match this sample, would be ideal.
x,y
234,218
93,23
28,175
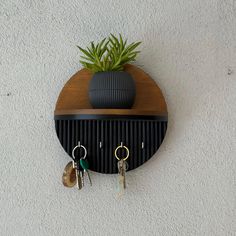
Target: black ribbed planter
x,y
112,89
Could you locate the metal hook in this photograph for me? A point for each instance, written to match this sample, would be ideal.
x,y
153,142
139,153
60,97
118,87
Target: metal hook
x,y
100,144
142,145
121,144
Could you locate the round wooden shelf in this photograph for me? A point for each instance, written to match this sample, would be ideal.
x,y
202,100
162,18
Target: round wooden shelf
x,y
74,99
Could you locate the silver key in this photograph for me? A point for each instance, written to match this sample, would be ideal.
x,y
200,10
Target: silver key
x,y
90,181
84,164
78,175
122,167
82,177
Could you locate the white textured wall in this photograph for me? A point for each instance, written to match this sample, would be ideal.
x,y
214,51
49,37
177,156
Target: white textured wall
x,y
188,187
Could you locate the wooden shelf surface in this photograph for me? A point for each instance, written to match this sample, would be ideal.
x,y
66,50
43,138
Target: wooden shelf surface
x,y
131,112
74,100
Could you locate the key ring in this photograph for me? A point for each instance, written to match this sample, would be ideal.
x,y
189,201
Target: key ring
x,y
79,146
127,150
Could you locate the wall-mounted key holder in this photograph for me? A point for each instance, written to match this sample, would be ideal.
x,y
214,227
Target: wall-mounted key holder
x,y
110,117
141,128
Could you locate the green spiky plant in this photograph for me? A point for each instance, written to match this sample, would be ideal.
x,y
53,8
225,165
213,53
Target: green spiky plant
x,y
108,55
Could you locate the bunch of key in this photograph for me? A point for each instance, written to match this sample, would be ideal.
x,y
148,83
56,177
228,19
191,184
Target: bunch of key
x,y
75,170
122,168
81,168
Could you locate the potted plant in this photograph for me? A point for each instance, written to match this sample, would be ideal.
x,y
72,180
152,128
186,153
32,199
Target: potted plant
x,y
110,86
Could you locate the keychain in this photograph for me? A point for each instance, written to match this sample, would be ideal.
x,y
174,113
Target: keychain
x,y
74,171
69,176
122,166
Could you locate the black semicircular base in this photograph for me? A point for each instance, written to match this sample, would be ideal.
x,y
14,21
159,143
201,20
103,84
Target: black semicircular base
x,y
143,136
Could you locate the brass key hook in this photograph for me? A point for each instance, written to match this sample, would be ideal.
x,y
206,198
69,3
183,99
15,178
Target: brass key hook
x,y
79,146
127,150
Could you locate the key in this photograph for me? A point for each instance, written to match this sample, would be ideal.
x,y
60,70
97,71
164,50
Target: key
x,y
85,165
69,176
122,167
121,173
82,177
78,175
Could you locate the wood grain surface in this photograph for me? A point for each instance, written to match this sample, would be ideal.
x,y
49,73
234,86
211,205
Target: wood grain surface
x,y
74,98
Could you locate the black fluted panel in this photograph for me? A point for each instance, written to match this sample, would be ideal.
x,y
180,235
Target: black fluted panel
x,y
110,133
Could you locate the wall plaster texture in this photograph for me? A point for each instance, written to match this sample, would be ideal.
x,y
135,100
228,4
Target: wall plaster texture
x,y
188,187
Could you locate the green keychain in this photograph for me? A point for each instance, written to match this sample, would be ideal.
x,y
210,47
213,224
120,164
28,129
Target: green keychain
x,y
85,165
